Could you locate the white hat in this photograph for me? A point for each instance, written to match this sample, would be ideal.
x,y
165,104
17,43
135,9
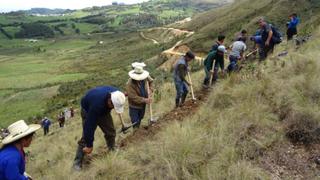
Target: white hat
x,y
222,48
141,64
19,130
138,73
118,100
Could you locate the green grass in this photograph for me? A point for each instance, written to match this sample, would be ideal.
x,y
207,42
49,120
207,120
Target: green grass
x,y
24,104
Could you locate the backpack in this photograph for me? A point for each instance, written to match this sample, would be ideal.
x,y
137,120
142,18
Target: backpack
x,y
277,35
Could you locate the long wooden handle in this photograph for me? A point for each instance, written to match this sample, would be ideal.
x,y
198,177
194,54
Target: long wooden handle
x,y
211,73
192,93
249,54
121,120
149,96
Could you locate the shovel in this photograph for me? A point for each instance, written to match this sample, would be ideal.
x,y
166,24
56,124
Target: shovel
x,y
124,127
152,118
191,87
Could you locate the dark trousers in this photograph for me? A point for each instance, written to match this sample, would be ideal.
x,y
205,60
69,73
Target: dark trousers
x,y
291,32
45,130
266,50
233,66
136,115
105,123
217,64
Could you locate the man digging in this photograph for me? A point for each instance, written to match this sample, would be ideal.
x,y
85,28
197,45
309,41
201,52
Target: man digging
x,y
96,108
138,93
180,73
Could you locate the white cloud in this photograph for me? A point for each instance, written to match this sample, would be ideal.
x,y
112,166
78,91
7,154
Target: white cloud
x,y
8,5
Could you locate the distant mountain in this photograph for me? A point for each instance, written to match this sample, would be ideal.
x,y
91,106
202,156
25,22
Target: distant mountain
x,y
46,11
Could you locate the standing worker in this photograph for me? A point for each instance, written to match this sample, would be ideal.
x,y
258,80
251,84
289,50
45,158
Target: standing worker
x,y
96,108
46,123
138,96
218,43
12,155
267,44
180,72
292,26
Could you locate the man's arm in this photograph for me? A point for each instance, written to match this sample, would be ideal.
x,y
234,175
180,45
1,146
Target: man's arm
x,y
182,73
270,33
12,170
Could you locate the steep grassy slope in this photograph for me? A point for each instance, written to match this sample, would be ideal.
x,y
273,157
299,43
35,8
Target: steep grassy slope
x,y
243,131
243,14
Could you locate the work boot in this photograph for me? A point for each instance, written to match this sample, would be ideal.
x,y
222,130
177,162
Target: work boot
x,y
111,144
77,163
177,103
183,98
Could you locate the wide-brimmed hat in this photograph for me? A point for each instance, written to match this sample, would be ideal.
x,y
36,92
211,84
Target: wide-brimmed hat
x,y
19,130
136,64
138,73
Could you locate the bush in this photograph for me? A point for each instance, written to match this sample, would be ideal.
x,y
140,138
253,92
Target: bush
x,y
35,30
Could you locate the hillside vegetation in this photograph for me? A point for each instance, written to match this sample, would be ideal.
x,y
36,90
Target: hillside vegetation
x,y
260,123
243,14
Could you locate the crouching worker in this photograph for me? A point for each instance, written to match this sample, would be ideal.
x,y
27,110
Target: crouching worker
x,y
12,155
138,97
96,108
180,72
213,61
236,54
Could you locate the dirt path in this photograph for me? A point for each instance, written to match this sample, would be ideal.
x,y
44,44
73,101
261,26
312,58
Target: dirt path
x,y
150,39
177,114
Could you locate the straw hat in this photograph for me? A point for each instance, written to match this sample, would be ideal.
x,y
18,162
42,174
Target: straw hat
x,y
19,130
141,64
138,73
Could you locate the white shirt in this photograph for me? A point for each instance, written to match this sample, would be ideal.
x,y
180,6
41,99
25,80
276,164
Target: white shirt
x,y
238,47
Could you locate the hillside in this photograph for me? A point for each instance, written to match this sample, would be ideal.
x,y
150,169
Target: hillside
x,y
243,14
260,123
76,55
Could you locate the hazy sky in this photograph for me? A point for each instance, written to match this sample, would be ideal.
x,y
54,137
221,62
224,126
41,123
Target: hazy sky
x,y
10,5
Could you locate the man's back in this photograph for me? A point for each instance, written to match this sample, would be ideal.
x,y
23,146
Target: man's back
x,y
238,47
95,99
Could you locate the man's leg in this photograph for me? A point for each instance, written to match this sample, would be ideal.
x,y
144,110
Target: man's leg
x,y
185,93
77,163
106,125
216,70
207,78
134,116
179,90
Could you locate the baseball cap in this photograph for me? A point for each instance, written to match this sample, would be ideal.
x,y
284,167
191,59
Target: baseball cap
x,y
118,100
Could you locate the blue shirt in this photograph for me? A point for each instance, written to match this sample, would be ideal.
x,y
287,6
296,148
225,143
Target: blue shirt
x,y
12,164
46,123
94,103
293,23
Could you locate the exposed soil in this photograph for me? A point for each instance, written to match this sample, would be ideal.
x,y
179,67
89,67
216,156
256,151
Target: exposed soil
x,y
177,114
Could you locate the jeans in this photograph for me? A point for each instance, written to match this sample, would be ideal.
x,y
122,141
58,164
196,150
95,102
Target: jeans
x,y
45,130
182,90
136,115
233,63
217,64
106,125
